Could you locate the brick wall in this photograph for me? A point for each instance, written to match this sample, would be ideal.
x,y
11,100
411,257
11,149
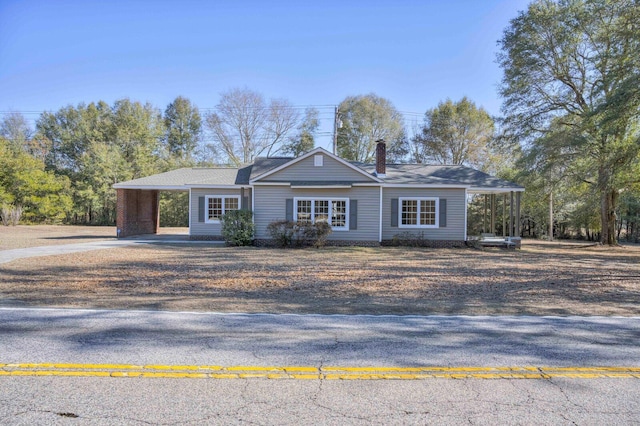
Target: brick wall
x,y
137,212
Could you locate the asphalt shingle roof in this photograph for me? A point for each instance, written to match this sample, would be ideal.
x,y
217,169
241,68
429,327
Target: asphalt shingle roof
x,y
407,174
415,174
263,164
185,177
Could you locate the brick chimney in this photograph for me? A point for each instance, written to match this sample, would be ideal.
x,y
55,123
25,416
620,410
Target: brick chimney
x,y
381,158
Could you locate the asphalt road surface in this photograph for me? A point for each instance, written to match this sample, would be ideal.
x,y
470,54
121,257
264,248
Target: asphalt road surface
x,y
122,367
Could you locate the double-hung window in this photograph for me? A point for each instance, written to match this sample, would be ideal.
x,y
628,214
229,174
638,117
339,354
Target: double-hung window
x,y
217,205
331,210
418,212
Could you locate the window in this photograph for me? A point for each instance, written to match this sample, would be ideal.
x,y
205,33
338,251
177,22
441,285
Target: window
x,y
312,210
318,160
217,205
418,212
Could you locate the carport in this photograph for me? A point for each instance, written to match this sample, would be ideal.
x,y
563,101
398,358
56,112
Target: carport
x,y
138,212
138,202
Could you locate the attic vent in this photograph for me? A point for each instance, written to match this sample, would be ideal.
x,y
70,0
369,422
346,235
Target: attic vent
x,y
317,160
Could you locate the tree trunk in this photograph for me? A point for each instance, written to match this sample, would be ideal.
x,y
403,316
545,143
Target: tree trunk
x,y
551,216
608,200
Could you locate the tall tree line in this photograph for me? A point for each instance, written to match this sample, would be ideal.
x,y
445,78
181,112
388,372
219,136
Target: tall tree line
x,y
571,92
569,132
63,170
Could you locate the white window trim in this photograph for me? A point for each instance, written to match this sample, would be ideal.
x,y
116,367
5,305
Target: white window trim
x,y
313,210
224,206
418,199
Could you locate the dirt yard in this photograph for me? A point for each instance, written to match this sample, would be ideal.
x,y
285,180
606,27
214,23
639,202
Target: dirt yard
x,y
540,279
23,236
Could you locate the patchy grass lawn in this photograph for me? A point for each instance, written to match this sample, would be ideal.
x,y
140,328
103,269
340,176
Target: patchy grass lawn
x,y
540,279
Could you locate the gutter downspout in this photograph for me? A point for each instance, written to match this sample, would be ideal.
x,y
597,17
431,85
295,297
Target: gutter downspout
x,y
190,212
466,204
253,208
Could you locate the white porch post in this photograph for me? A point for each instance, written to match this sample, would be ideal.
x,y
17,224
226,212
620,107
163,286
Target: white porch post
x,y
493,212
504,214
518,226
511,214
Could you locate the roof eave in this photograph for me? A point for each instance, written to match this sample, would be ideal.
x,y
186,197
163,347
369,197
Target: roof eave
x,y
494,190
152,187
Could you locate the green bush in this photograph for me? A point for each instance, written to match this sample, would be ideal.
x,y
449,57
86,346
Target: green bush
x,y
238,227
298,234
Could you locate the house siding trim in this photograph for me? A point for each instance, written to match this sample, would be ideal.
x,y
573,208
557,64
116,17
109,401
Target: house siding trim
x,y
212,230
466,213
419,212
223,206
491,190
424,186
309,154
201,185
347,202
456,212
272,207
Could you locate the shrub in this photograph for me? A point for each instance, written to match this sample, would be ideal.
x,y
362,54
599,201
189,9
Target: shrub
x,y
317,233
407,239
238,227
298,234
11,215
281,232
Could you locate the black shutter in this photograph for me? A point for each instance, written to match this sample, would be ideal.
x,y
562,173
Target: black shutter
x,y
200,209
394,212
443,212
245,203
353,214
289,210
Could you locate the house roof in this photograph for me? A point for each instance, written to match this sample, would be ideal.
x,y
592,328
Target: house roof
x,y
263,165
184,178
450,175
396,174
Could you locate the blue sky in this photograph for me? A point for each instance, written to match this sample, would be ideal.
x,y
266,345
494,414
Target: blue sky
x,y
415,53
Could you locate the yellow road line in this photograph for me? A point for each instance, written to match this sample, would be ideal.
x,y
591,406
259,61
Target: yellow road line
x,y
311,372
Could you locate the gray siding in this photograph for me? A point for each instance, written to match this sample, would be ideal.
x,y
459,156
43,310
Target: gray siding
x,y
206,229
456,202
271,206
304,170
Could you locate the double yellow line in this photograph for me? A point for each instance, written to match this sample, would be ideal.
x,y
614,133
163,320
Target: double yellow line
x,y
313,373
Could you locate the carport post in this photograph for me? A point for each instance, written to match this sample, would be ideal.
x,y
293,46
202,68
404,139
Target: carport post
x,y
504,214
484,215
518,226
511,214
493,213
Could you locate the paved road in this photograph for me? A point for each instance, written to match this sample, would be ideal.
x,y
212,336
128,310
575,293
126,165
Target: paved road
x,y
101,336
167,340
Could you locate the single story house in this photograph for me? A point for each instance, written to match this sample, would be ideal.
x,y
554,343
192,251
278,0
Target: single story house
x,y
365,204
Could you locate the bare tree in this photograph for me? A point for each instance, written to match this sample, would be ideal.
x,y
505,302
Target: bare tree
x,y
15,128
244,126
